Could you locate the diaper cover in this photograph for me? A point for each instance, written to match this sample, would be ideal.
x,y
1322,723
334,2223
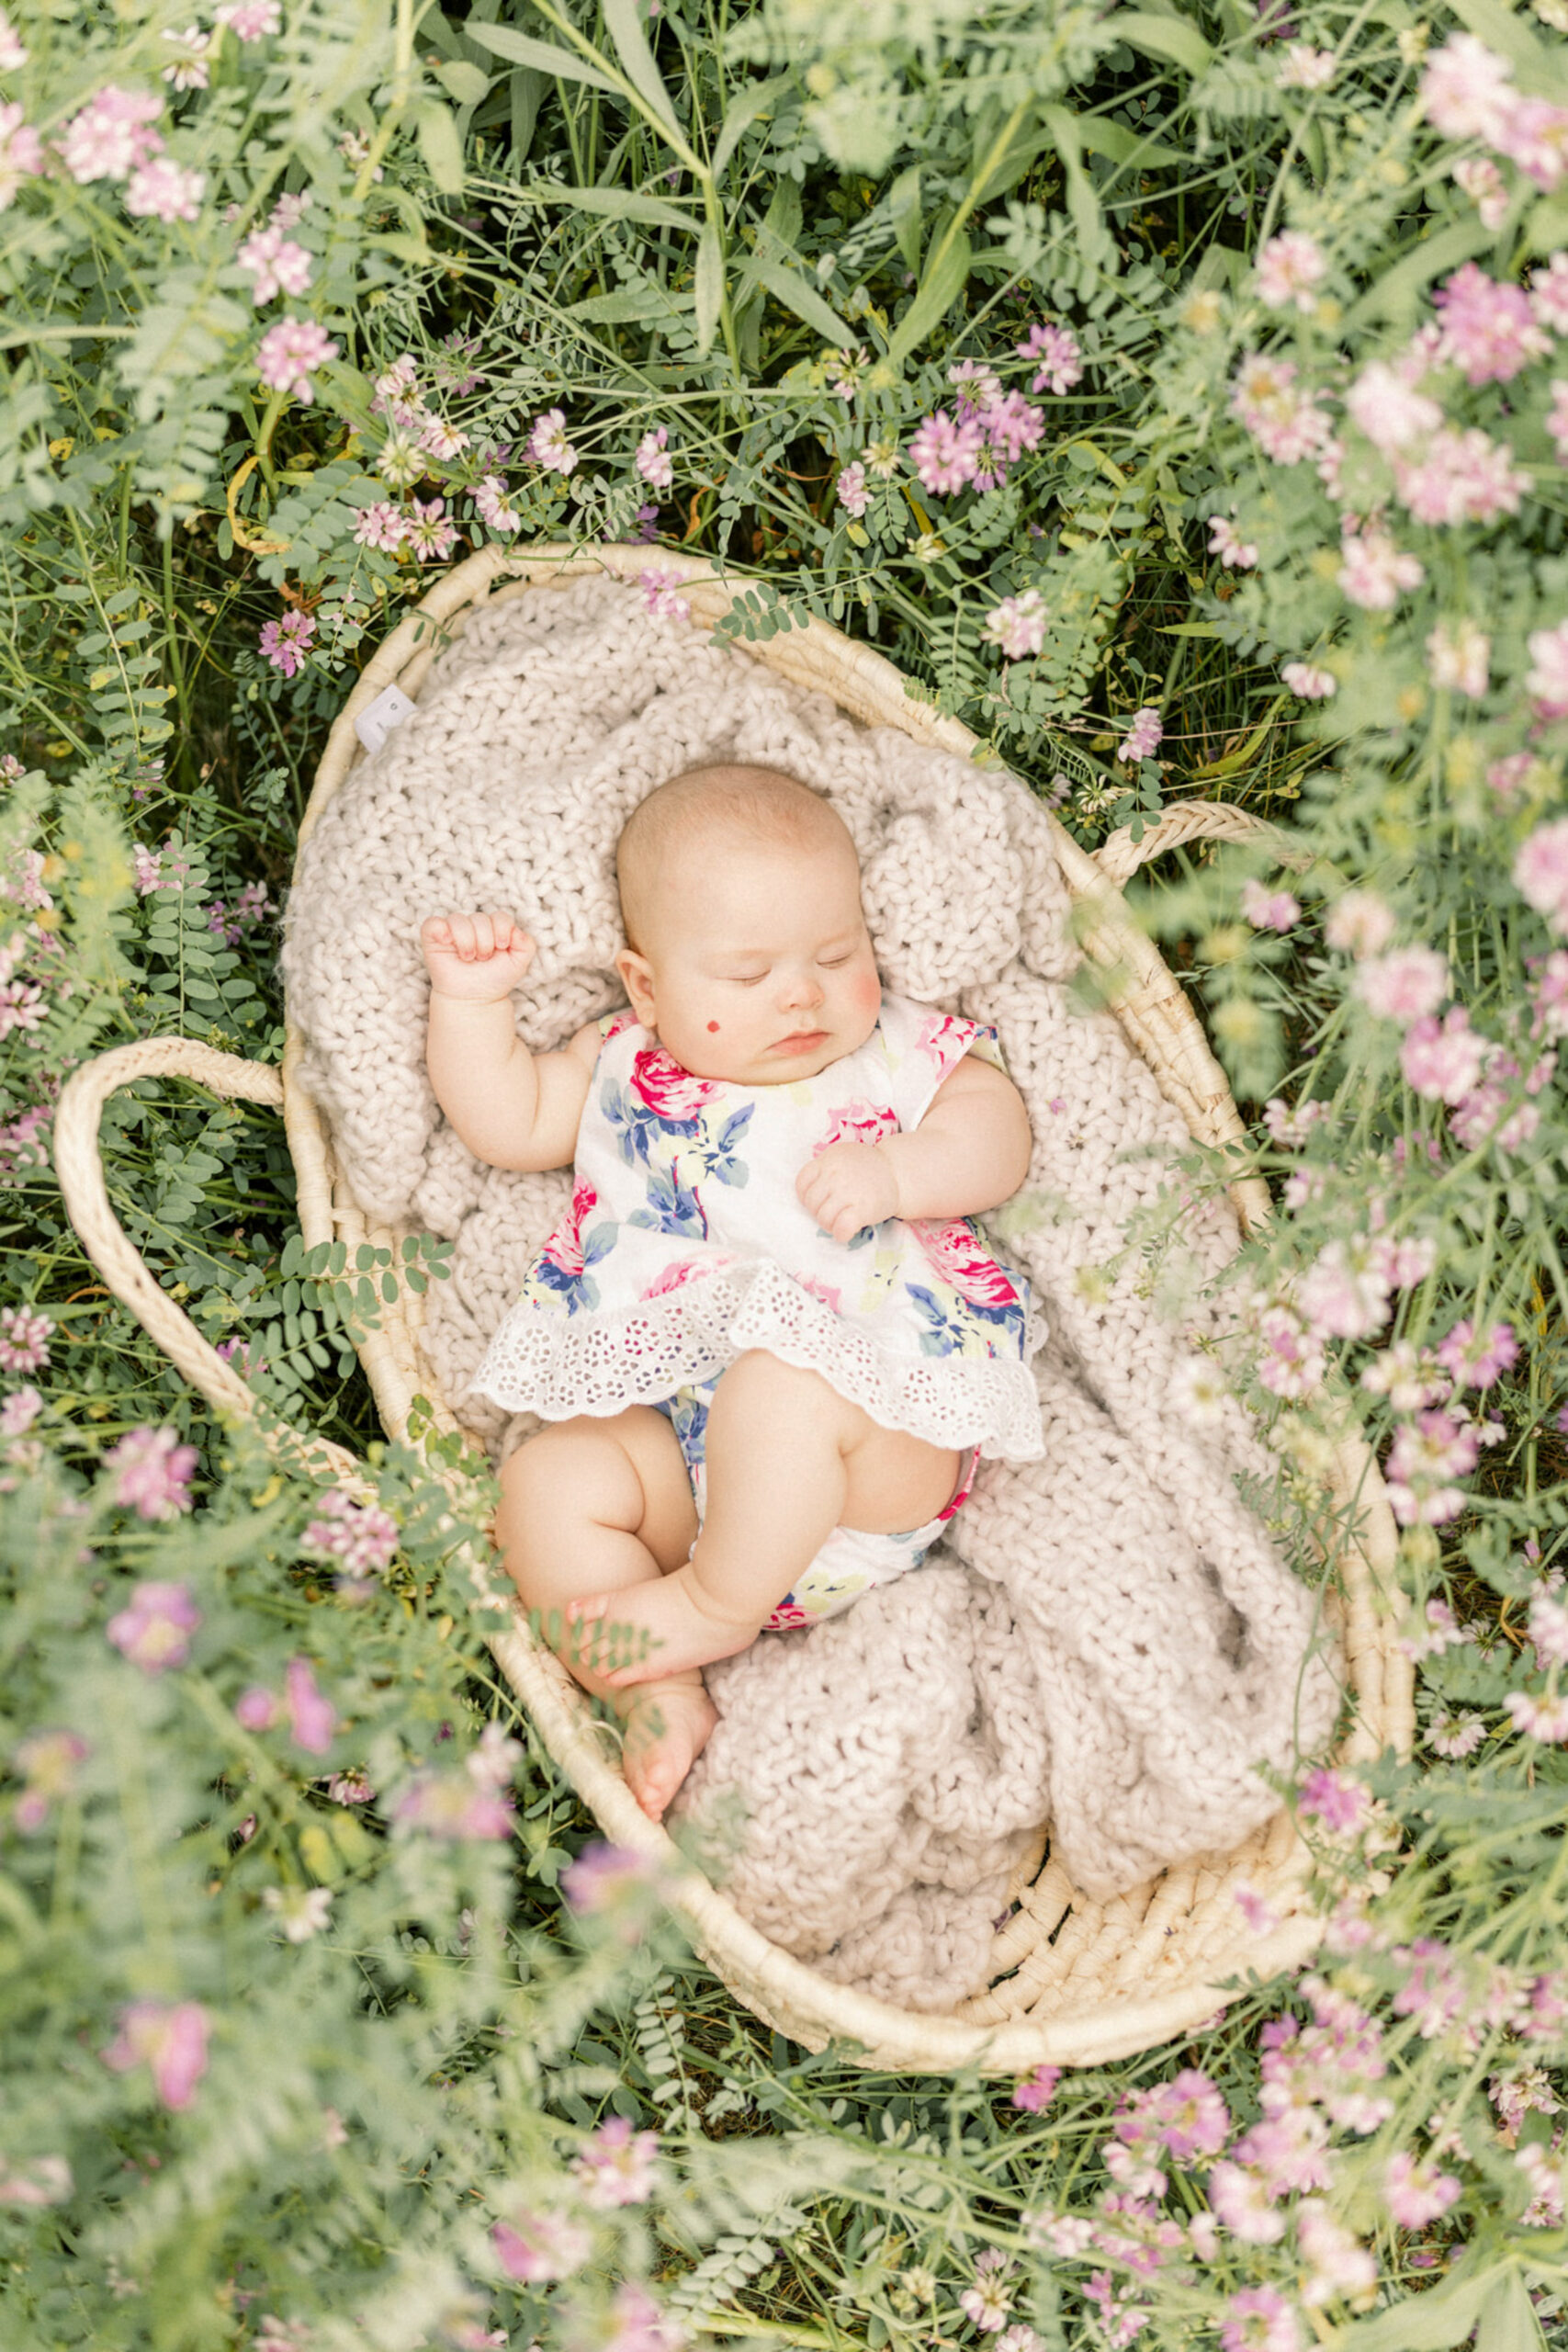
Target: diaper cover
x,y
852,1560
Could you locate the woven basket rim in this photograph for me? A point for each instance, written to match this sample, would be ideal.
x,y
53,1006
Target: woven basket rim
x,y
1156,1014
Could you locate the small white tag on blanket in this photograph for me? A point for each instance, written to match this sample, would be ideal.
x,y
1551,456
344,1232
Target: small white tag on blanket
x,y
378,718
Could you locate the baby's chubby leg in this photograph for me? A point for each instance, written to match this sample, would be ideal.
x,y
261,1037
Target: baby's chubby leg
x,y
788,1460
607,1503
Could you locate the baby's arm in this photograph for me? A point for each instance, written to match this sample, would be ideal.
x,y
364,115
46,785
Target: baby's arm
x,y
512,1108
969,1153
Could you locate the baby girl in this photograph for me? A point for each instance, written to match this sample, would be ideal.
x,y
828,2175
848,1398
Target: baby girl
x,y
767,1344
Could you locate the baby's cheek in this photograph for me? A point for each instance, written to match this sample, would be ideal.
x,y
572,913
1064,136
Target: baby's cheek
x,y
867,992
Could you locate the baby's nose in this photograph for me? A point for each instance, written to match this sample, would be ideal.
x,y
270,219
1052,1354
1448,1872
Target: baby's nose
x,y
802,987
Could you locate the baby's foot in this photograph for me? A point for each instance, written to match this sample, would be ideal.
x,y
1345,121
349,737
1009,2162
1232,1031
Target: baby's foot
x,y
668,1724
643,1633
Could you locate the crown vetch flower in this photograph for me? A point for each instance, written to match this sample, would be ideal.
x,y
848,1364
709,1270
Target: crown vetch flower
x,y
653,460
1488,330
286,642
453,1806
361,1537
1142,738
1311,684
47,1761
1459,656
616,2166
1476,1360
151,1471
301,1911
1060,355
1467,90
1427,1456
430,531
1415,2193
164,190
381,524
1017,625
493,506
250,20
21,152
1405,985
1375,570
1442,1060
1534,135
1484,184
1225,542
1286,421
111,134
851,488
1260,2320
313,1718
1360,924
945,453
1269,910
1290,269
541,2248
1035,2092
289,351
18,1411
1460,478
1541,873
170,2038
277,264
549,444
1538,1717
662,596
154,1631
13,56
24,1339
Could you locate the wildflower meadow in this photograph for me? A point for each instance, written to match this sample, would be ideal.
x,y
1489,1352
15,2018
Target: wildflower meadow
x,y
1179,395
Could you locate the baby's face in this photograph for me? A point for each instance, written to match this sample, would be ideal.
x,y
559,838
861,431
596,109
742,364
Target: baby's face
x,y
759,968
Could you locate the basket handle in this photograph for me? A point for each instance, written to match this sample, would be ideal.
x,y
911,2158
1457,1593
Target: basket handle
x,y
78,1164
1119,856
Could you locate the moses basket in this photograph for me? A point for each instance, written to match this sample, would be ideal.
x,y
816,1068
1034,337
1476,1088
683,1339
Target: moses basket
x,y
1073,1981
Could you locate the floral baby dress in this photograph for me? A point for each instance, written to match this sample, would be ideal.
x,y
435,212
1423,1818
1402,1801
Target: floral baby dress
x,y
686,1244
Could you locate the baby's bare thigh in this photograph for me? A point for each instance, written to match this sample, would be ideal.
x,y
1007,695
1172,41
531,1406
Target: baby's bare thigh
x,y
622,1470
894,1481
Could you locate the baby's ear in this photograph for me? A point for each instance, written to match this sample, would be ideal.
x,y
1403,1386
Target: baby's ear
x,y
637,978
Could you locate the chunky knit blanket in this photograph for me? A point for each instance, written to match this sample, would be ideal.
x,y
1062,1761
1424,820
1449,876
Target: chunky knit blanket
x,y
1109,1639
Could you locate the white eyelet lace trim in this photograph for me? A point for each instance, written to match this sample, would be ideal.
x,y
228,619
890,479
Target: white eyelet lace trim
x,y
546,1362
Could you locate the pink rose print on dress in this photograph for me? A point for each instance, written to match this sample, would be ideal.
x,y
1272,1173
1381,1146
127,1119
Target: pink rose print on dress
x,y
955,1253
684,1270
564,1247
945,1039
625,1019
670,1092
858,1123
787,1616
830,1298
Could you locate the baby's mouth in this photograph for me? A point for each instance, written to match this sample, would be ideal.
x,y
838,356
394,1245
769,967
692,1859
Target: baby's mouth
x,y
800,1041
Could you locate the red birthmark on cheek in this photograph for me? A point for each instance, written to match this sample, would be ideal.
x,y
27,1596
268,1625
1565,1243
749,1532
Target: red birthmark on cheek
x,y
712,1027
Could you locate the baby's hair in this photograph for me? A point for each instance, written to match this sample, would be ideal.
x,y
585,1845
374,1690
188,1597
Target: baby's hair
x,y
746,804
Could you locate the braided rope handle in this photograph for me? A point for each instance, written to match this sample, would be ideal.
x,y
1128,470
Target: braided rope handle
x,y
78,1163
1119,857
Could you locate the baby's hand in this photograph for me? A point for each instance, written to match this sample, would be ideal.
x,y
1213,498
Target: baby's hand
x,y
849,1185
476,958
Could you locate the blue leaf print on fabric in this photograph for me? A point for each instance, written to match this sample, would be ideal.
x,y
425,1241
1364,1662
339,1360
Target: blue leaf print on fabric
x,y
944,1336
673,1207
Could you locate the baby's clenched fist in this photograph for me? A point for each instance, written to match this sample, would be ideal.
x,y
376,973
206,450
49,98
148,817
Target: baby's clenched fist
x,y
848,1186
476,958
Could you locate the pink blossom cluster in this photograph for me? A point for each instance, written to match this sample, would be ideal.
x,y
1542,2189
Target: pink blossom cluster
x,y
430,531
1226,543
661,594
653,460
1374,572
1436,1631
1288,1126
1468,93
170,2040
1541,872
1489,330
1290,269
229,923
21,152
19,1408
492,504
549,444
24,1339
541,2248
1459,478
469,1806
1017,625
289,353
286,642
853,491
1547,678
1499,1108
154,1631
1310,682
1060,355
609,1882
1428,1453
111,135
1406,985
1269,910
150,1472
277,264
616,2166
361,1537
1142,738
157,869
1305,68
1284,418
987,432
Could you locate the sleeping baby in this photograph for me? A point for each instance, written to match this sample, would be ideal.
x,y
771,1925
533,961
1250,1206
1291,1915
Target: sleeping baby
x,y
767,1344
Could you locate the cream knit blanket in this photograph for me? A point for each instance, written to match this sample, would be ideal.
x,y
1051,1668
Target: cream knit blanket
x,y
1110,1638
